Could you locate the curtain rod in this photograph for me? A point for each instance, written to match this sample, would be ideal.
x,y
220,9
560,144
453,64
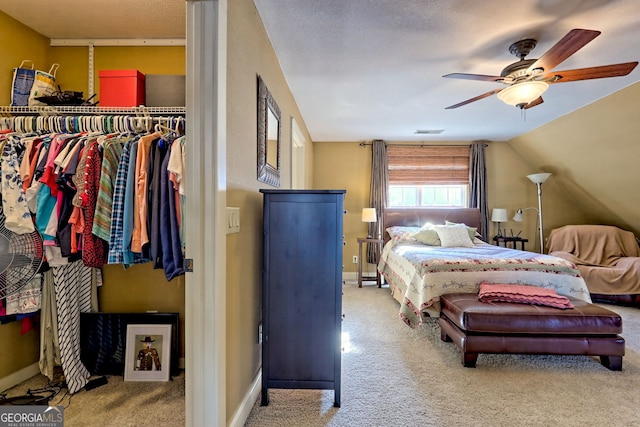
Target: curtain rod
x,y
363,144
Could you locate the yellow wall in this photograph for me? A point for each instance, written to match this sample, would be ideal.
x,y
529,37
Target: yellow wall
x,y
249,54
348,165
593,154
74,62
32,46
20,350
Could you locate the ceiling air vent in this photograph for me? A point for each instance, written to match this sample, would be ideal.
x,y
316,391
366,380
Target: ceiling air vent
x,y
429,131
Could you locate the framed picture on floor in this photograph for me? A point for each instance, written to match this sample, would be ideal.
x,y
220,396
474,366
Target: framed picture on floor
x,y
148,353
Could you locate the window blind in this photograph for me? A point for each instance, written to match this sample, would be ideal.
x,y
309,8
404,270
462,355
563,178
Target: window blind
x,y
415,165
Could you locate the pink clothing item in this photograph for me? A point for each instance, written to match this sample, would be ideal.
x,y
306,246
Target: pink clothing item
x,y
49,177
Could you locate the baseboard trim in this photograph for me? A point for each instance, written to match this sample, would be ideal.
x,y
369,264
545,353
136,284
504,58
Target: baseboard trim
x,y
350,277
242,414
19,376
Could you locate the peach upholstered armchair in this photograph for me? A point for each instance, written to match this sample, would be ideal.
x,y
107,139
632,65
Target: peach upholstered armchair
x,y
608,258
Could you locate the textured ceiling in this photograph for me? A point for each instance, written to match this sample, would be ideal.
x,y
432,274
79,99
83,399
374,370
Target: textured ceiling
x,y
367,69
101,19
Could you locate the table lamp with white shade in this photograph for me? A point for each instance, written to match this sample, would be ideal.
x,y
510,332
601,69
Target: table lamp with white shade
x,y
369,215
499,215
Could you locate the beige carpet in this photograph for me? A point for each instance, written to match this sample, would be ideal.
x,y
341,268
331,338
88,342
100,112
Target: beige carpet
x,y
396,376
118,403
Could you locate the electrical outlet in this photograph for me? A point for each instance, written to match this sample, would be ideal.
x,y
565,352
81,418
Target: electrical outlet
x,y
355,259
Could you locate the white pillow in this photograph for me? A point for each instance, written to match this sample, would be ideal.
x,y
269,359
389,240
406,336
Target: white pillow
x,y
402,234
427,235
454,236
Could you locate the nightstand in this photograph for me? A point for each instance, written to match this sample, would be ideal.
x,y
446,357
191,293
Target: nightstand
x,y
504,240
378,245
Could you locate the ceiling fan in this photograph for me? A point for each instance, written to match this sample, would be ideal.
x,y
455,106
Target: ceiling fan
x,y
527,79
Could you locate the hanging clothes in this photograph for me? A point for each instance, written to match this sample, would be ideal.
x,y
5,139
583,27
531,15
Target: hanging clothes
x,y
176,168
130,213
157,165
116,231
172,258
72,284
93,200
94,249
140,231
14,202
112,151
78,190
49,344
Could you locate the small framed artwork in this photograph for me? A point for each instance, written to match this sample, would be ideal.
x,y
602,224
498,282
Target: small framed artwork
x,y
148,353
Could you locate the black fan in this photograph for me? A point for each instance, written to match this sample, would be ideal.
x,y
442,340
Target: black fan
x,y
21,256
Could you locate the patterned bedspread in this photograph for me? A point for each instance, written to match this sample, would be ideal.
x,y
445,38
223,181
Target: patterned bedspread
x,y
422,273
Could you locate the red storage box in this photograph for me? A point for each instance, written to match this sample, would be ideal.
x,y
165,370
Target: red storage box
x,y
121,88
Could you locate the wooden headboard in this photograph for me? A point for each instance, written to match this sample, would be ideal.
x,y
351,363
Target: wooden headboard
x,y
417,217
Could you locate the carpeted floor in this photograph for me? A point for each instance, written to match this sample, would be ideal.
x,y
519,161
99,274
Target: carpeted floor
x,y
117,403
393,375
396,376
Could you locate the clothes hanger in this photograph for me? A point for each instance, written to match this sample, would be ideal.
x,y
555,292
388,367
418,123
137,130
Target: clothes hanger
x,y
178,127
163,129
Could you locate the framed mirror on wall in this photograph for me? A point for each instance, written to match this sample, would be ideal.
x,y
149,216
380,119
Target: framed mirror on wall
x,y
269,136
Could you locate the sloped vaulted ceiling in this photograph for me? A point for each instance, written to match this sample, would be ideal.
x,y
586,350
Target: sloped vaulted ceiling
x,y
368,69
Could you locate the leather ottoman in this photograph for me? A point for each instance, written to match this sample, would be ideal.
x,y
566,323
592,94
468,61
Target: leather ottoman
x,y
478,327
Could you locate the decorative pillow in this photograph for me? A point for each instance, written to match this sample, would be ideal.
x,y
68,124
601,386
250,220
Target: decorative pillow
x,y
523,294
428,235
454,236
473,231
402,234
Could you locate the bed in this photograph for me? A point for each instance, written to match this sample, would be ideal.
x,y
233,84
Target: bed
x,y
418,273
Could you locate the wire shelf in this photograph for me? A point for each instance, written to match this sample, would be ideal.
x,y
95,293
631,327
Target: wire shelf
x,y
67,109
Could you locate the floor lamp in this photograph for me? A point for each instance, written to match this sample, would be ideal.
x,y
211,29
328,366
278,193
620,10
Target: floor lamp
x,y
539,179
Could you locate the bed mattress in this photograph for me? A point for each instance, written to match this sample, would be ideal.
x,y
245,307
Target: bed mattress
x,y
419,274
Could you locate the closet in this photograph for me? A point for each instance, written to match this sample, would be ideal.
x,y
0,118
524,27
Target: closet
x,y
205,65
302,290
98,186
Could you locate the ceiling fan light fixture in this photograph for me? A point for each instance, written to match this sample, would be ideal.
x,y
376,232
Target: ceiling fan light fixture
x,y
521,94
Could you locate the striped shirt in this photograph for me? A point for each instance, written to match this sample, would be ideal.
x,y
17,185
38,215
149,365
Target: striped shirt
x,y
116,242
110,160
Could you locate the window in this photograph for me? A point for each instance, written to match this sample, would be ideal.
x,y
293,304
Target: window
x,y
428,195
435,176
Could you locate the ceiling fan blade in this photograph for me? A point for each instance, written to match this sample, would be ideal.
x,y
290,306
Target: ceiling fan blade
x,y
474,77
533,103
477,98
603,71
575,40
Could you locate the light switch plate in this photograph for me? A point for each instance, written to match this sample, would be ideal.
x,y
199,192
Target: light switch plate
x,y
233,220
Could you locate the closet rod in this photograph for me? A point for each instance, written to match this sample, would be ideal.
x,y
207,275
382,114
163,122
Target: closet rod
x,y
117,42
140,111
